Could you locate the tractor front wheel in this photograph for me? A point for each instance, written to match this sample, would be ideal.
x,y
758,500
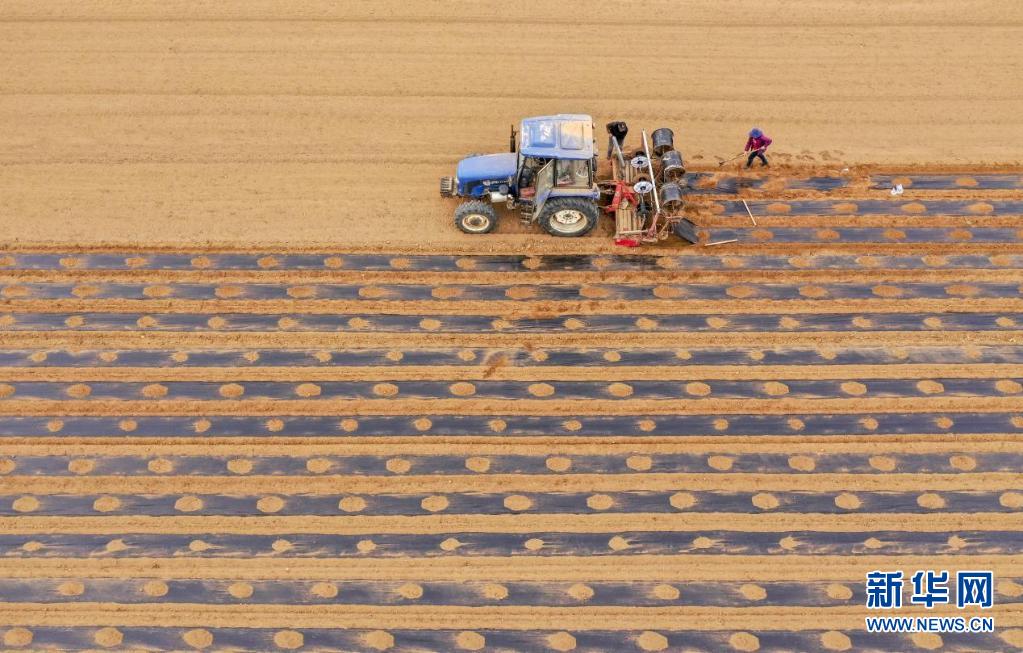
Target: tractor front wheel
x,y
568,216
475,217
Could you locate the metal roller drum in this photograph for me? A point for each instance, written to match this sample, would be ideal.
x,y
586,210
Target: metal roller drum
x,y
663,140
672,166
671,197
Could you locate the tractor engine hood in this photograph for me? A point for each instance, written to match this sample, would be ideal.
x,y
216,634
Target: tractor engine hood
x,y
495,167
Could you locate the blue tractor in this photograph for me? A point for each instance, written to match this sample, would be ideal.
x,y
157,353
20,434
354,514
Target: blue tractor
x,y
550,177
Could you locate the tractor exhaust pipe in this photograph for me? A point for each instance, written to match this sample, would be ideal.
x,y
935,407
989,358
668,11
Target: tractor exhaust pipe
x,y
511,139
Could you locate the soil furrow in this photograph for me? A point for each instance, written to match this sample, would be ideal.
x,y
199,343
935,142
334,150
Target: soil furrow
x,y
511,531
661,568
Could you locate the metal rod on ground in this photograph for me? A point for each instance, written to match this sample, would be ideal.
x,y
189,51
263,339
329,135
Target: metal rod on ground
x,y
653,180
722,242
754,220
618,153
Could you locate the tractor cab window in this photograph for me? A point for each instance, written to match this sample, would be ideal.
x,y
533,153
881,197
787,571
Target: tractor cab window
x,y
573,173
531,165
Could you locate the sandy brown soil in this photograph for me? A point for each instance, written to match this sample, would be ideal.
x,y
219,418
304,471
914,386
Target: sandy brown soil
x,y
323,122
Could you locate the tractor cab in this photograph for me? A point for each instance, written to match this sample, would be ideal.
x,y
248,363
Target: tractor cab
x,y
549,175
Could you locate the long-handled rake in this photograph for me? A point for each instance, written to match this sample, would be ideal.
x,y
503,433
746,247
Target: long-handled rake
x,y
737,156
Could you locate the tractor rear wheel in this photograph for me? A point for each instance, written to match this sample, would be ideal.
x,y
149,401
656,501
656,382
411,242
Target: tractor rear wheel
x,y
569,216
475,217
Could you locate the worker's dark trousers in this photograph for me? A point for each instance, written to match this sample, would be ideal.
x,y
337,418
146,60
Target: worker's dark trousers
x,y
756,154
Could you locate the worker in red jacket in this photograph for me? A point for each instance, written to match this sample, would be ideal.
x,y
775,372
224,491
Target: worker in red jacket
x,y
757,143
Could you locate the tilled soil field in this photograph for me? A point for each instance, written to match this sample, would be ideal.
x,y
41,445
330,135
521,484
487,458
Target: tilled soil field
x,y
678,450
319,122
